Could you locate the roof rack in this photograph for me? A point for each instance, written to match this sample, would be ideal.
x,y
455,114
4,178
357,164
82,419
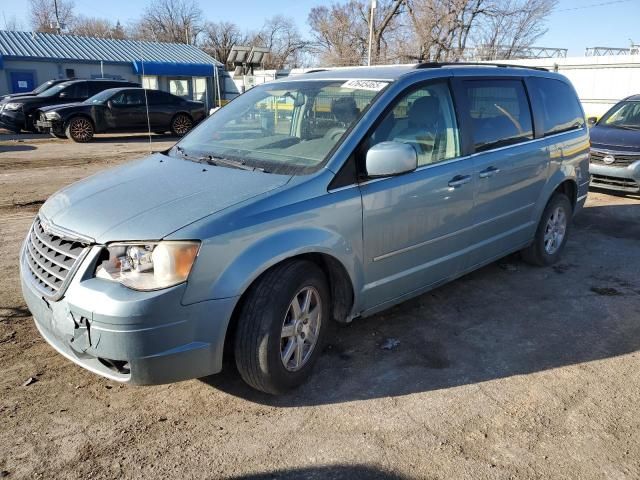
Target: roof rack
x,y
474,64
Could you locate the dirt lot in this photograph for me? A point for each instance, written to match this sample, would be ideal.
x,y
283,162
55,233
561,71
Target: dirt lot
x,y
510,372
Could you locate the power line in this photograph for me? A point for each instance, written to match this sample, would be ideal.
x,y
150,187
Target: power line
x,y
612,2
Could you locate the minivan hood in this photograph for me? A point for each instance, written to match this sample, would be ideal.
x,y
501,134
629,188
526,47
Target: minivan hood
x,y
611,137
153,197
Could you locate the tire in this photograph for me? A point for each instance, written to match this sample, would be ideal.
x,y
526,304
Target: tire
x,y
555,226
262,347
181,124
80,129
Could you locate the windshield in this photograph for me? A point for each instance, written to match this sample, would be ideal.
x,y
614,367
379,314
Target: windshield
x,y
623,115
41,88
50,92
101,97
288,128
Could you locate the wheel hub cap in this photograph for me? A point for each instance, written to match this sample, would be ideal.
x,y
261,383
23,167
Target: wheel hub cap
x,y
555,231
300,328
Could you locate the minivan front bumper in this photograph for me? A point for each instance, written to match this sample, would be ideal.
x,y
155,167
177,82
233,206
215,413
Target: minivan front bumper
x,y
130,336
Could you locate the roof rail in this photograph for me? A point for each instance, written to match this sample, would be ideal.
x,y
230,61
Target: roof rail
x,y
474,64
316,70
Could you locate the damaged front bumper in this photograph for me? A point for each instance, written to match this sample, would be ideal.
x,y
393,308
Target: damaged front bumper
x,y
130,336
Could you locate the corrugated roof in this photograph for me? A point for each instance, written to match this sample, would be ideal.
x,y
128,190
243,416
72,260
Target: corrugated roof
x,y
70,47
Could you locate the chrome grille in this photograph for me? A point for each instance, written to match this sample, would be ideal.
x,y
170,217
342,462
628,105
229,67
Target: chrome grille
x,y
50,258
620,159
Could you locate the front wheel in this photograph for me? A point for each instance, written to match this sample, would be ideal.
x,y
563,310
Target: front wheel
x,y
80,129
281,327
181,124
551,234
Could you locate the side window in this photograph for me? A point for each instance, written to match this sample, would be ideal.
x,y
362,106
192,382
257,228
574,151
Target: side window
x,y
81,90
560,108
500,113
155,97
425,119
77,91
119,98
95,87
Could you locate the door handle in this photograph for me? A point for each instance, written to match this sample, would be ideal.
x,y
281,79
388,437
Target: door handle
x,y
489,172
459,180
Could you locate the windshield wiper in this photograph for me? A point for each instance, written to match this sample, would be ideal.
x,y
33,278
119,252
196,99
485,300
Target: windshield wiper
x,y
232,163
211,160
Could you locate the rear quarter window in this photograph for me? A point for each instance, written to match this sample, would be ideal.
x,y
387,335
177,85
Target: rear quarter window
x,y
561,110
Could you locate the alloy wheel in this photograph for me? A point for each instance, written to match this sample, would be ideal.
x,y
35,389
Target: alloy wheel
x,y
81,129
181,125
555,230
300,328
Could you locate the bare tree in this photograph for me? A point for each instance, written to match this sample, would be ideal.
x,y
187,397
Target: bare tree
x,y
97,27
286,46
12,23
442,27
511,26
219,37
175,21
341,31
42,15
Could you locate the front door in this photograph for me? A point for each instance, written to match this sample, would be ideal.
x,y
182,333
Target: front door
x,y
416,226
510,168
22,82
126,111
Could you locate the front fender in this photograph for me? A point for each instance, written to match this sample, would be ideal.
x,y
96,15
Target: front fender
x,y
257,256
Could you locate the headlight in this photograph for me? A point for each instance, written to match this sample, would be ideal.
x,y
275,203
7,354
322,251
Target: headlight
x,y
12,106
51,115
149,266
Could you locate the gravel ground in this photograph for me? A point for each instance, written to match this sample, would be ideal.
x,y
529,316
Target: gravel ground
x,y
511,372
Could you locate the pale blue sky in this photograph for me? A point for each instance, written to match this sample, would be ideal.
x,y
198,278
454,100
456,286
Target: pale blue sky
x,y
576,24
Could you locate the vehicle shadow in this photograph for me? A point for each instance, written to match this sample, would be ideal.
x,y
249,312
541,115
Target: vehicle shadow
x,y
505,319
329,472
134,138
16,148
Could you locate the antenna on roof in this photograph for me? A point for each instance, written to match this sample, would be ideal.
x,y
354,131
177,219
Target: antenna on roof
x,y
146,100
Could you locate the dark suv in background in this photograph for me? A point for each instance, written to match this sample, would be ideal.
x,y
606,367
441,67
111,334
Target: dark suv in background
x,y
39,89
17,113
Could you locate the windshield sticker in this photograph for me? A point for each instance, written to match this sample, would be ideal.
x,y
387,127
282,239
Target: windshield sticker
x,y
372,85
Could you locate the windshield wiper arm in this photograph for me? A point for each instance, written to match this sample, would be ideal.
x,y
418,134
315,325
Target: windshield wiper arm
x,y
211,160
231,163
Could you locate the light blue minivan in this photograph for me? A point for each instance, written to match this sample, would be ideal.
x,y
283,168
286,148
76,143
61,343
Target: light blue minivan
x,y
316,198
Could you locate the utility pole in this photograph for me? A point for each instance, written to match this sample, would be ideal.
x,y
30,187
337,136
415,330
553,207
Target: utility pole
x,y
58,29
373,7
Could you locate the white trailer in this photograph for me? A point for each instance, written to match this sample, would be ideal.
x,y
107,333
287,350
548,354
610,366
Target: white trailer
x,y
600,81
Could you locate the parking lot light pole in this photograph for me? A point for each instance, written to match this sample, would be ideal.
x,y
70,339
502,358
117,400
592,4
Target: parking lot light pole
x,y
373,7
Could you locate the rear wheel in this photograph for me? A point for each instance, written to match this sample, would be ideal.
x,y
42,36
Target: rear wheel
x,y
80,129
552,233
181,124
281,327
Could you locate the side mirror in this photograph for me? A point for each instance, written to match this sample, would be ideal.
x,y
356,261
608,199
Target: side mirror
x,y
109,104
391,158
592,121
63,95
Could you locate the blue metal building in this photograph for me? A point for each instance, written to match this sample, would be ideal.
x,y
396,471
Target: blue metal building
x,y
29,58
